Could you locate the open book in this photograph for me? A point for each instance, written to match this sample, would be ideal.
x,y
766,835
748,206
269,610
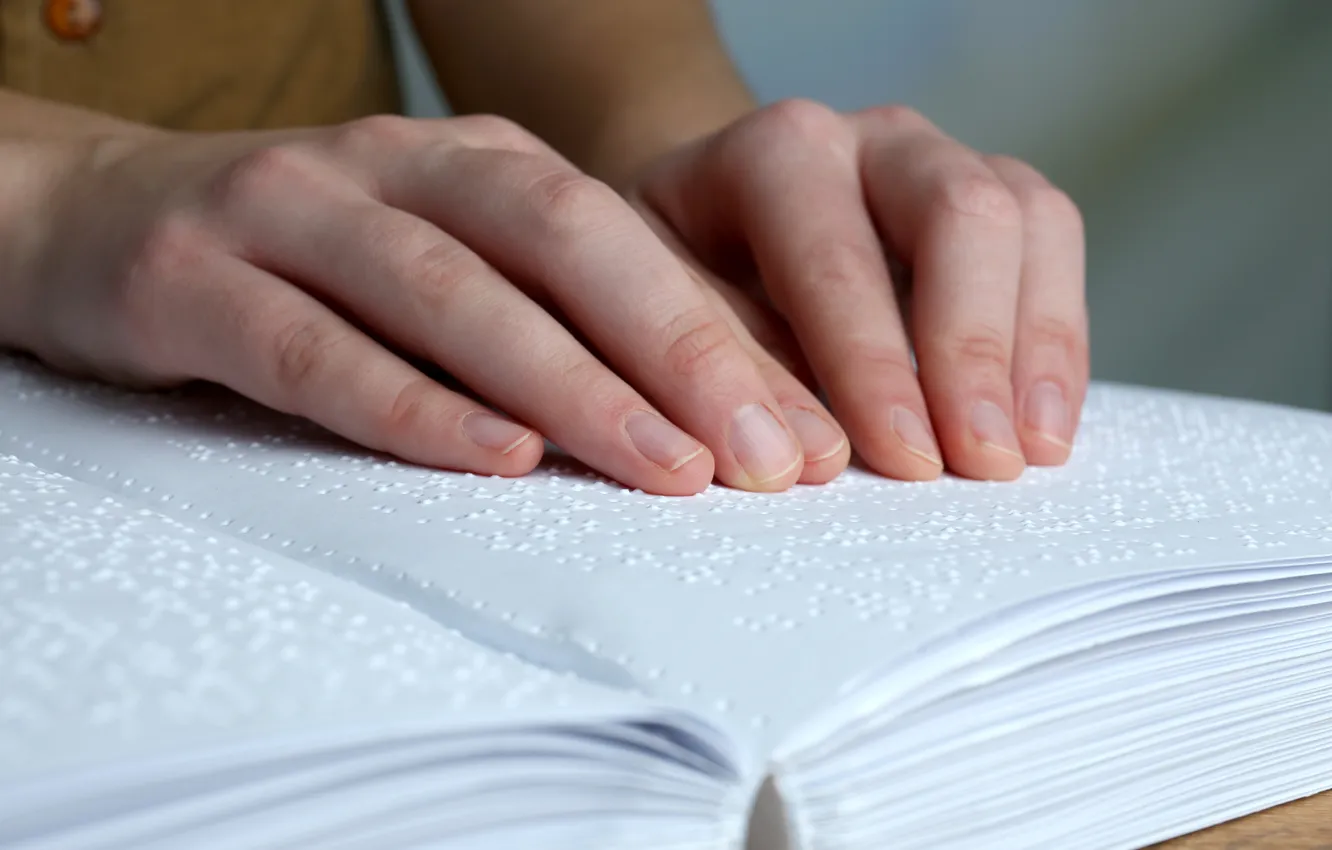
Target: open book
x,y
220,627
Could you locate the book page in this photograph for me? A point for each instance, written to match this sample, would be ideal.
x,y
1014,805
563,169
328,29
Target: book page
x,y
758,609
151,672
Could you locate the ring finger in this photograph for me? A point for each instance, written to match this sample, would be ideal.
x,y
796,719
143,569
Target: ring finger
x,y
441,301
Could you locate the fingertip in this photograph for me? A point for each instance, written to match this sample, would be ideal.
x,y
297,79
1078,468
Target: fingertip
x,y
995,463
674,463
982,444
515,458
689,479
983,462
777,483
1046,424
902,465
519,458
825,448
905,466
767,457
500,446
825,469
900,445
1042,449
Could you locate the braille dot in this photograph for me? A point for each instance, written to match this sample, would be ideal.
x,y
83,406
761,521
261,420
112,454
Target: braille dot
x,y
1153,475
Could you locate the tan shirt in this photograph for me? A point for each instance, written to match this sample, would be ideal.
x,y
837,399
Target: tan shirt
x,y
203,64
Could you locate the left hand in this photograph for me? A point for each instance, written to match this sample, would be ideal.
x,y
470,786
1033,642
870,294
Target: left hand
x,y
800,221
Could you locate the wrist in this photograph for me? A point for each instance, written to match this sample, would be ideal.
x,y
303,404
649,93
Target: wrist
x,y
29,180
36,176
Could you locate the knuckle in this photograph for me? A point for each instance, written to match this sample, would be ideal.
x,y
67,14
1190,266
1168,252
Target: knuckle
x,y
408,413
256,176
396,235
978,196
439,271
1068,338
897,117
500,132
1012,168
1039,199
568,203
599,393
985,348
845,267
162,259
696,342
167,247
380,132
586,376
889,364
299,349
801,118
426,264
1044,203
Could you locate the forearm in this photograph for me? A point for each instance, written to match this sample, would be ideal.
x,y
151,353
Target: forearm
x,y
610,83
23,117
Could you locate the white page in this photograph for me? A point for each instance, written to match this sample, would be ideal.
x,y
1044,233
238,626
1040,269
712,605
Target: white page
x,y
758,609
143,661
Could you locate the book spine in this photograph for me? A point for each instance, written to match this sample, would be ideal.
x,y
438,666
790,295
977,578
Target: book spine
x,y
770,824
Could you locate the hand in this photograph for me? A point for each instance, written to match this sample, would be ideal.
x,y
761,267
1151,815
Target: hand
x,y
795,217
305,268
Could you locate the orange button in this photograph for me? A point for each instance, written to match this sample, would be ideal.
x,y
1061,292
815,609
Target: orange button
x,y
73,20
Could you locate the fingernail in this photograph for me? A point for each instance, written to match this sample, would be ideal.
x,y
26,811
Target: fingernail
x,y
491,432
1047,412
993,430
915,437
659,441
817,435
761,445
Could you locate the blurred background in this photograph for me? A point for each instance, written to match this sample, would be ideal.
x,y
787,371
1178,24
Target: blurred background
x,y
1196,135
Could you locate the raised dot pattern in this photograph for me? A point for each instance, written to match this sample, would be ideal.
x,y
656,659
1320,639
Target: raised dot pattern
x,y
123,631
754,608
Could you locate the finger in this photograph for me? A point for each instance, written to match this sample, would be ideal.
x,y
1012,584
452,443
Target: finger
x,y
274,343
437,299
824,444
551,228
943,210
1050,359
768,342
368,140
766,327
799,209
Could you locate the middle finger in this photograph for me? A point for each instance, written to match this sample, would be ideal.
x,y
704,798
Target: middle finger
x,y
960,229
798,206
551,228
440,301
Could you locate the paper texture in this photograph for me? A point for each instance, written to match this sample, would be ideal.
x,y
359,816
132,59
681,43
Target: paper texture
x,y
757,610
163,686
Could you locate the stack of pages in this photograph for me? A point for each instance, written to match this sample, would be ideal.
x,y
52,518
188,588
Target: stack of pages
x,y
223,628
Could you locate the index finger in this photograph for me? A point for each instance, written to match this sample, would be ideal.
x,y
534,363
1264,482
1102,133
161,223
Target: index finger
x,y
556,230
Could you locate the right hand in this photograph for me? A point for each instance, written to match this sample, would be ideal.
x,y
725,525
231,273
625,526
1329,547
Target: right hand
x,y
293,266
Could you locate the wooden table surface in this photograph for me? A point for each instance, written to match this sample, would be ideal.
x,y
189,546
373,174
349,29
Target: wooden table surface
x,y
1303,825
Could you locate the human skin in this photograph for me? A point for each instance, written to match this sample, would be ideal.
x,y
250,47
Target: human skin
x,y
635,262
